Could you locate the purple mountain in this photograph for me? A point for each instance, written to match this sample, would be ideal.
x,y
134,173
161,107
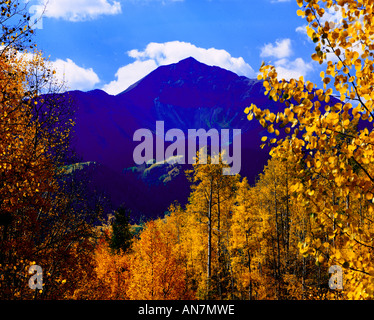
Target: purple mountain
x,y
185,95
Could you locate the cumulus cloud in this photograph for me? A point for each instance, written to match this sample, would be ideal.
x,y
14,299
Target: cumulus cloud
x,y
67,72
287,69
281,49
301,29
79,10
74,76
157,54
129,74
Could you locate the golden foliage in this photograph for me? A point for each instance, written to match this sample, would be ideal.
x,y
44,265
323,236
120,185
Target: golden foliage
x,y
331,141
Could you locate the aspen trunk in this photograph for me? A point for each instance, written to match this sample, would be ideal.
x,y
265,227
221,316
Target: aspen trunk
x,y
219,246
209,262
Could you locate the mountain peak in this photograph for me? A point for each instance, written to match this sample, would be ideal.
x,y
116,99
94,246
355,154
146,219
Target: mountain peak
x,y
192,63
184,95
189,60
188,69
188,64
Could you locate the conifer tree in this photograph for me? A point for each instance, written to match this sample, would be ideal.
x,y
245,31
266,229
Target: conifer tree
x,y
121,236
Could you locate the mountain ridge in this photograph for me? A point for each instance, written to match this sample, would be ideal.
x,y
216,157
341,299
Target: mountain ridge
x,y
185,95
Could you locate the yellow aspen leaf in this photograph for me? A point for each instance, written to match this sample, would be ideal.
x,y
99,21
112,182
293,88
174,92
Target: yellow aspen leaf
x,y
300,13
326,80
310,86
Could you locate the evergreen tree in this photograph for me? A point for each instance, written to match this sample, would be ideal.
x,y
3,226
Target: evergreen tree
x,y
121,237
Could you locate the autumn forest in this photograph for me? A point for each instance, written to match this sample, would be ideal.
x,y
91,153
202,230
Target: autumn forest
x,y
311,208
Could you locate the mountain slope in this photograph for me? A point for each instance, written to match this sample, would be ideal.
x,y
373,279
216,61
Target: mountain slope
x,y
185,95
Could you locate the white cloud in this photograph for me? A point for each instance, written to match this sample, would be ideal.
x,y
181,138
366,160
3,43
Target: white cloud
x,y
129,74
281,49
68,73
301,29
79,10
74,76
157,54
287,69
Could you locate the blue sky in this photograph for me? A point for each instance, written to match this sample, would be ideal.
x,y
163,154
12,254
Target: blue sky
x,y
106,44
